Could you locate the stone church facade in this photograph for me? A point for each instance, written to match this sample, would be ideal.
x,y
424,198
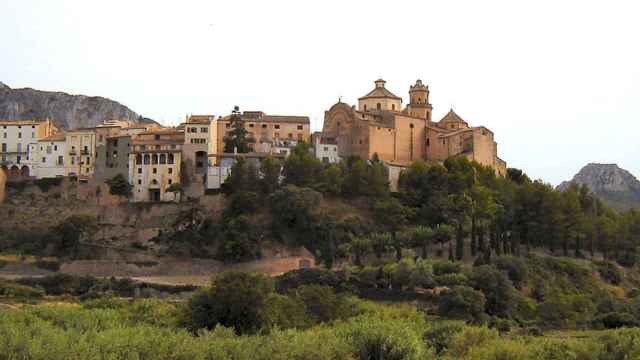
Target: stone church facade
x,y
380,125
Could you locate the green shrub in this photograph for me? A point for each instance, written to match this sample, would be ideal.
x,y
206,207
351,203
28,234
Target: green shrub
x,y
614,320
461,302
374,338
446,267
439,335
497,289
312,276
322,304
23,292
469,338
515,268
610,272
451,279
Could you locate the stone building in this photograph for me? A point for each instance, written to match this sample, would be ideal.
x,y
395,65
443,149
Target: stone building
x,y
399,135
49,156
81,153
154,164
267,130
16,136
200,140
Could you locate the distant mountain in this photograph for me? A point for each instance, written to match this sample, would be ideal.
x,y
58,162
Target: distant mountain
x,y
67,111
615,186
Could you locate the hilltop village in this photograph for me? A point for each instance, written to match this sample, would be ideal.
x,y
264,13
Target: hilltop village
x,y
155,159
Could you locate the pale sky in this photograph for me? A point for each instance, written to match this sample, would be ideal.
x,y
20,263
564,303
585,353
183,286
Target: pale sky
x,y
557,81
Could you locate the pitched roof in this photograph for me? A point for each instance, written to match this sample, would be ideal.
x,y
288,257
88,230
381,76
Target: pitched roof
x,y
61,136
380,92
451,116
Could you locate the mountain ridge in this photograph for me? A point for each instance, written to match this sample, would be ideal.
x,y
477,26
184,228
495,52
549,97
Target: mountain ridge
x,y
612,184
66,110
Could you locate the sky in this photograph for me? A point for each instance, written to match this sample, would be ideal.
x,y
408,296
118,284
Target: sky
x,y
557,81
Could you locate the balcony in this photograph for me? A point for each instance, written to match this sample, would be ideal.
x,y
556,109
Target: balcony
x,y
72,152
84,152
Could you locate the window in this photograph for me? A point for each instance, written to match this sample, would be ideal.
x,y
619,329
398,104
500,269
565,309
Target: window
x,y
55,147
427,141
227,125
154,159
138,159
19,135
19,147
155,170
290,136
170,181
276,135
393,106
147,159
411,126
73,160
365,107
163,159
157,137
33,135
60,160
88,160
264,126
276,126
250,125
170,171
4,147
139,182
379,106
299,127
18,158
115,142
44,160
139,170
170,159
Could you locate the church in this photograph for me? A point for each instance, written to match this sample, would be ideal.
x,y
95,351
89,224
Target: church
x,y
400,135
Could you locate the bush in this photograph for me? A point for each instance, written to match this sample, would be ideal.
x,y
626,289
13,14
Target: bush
x,y
610,272
451,279
388,339
45,184
312,276
461,302
235,299
515,268
497,289
446,267
614,320
18,291
440,335
469,338
322,304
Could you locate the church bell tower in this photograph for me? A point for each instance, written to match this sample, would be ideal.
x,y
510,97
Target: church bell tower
x,y
419,105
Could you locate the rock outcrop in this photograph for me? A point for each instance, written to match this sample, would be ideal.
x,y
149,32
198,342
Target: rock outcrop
x,y
67,111
615,186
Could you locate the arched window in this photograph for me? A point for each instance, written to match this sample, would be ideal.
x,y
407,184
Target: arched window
x,y
138,159
154,159
147,159
419,100
365,107
170,159
379,106
411,126
163,158
154,182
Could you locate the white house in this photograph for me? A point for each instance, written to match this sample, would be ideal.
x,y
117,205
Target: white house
x,y
325,148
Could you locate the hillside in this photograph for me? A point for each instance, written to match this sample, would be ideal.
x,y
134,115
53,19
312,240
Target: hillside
x,y
615,186
67,111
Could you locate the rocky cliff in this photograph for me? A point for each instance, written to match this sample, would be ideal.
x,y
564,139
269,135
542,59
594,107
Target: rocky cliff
x,y
67,111
615,186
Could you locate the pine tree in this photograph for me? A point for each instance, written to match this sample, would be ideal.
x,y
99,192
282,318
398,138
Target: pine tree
x,y
238,139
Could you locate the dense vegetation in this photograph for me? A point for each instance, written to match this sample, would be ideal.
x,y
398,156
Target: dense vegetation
x,y
249,316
